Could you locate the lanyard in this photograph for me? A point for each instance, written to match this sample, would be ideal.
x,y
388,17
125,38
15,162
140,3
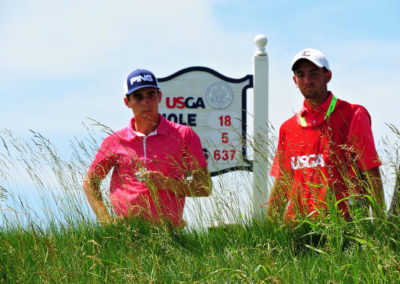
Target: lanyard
x,y
331,107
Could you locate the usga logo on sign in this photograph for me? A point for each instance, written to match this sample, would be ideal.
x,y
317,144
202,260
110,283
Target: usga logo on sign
x,y
181,102
146,78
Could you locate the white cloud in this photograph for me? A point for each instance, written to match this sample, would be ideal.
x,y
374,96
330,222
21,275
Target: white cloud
x,y
68,59
69,37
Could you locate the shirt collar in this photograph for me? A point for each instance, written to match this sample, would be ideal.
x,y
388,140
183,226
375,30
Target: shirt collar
x,y
307,107
314,115
143,135
161,128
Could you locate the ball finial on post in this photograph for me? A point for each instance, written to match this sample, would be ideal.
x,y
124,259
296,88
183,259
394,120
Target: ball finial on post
x,y
261,42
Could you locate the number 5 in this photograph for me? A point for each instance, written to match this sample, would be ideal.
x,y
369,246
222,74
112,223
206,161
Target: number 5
x,y
225,138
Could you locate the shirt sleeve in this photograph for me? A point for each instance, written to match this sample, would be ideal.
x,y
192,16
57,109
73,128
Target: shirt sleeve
x,y
104,160
194,151
278,163
362,140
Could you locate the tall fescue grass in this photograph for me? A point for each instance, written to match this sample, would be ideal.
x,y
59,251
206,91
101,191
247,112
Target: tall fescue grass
x,y
54,237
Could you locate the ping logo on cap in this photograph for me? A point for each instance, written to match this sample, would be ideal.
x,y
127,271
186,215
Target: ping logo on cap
x,y
140,78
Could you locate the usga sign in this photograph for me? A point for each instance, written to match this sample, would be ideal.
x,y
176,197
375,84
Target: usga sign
x,y
215,107
182,102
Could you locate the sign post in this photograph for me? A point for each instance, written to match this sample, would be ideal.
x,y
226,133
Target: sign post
x,y
260,137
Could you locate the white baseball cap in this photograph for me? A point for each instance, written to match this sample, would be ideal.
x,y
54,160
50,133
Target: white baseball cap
x,y
313,55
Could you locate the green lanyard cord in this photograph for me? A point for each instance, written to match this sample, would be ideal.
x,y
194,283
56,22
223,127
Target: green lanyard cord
x,y
331,108
303,122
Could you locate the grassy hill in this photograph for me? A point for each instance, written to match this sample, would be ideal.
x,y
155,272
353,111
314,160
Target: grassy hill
x,y
134,251
72,248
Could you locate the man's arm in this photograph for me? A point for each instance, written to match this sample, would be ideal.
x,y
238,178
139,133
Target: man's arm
x,y
91,186
395,204
199,184
373,180
361,138
277,203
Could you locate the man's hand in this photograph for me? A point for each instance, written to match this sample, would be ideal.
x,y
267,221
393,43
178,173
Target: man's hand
x,y
277,201
199,183
153,179
91,186
373,181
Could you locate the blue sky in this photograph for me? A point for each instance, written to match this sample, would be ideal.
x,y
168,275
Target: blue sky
x,y
62,62
305,20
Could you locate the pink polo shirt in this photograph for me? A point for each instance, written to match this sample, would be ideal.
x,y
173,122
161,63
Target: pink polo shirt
x,y
173,150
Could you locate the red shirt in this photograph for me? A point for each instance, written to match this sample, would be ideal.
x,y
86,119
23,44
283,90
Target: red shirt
x,y
173,151
321,158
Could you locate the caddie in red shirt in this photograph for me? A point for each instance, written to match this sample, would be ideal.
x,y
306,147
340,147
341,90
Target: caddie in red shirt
x,y
326,151
156,163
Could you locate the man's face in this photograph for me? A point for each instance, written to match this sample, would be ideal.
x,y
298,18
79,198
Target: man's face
x,y
311,80
144,102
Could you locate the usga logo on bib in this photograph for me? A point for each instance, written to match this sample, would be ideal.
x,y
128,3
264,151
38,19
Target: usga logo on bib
x,y
307,161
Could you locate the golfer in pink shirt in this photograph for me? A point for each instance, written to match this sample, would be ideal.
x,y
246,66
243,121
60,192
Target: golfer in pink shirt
x,y
157,163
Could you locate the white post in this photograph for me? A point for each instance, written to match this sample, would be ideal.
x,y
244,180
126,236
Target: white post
x,y
260,142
